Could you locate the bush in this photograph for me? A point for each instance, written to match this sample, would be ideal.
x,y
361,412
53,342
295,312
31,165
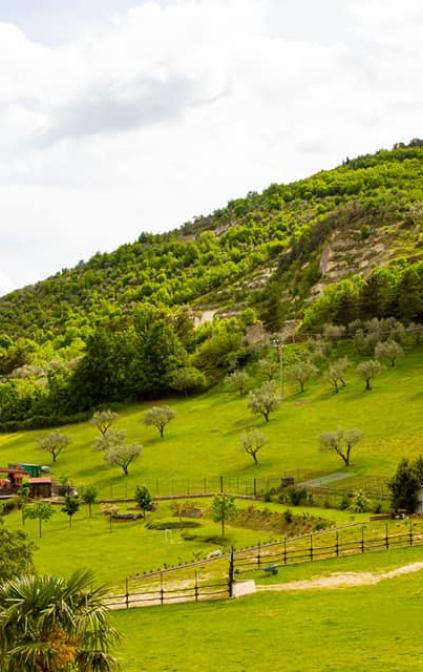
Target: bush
x,y
296,496
288,516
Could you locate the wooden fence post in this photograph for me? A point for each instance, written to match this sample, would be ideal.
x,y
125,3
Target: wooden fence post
x,y
231,572
285,554
337,544
221,485
255,486
258,556
410,533
311,547
362,538
126,593
196,586
386,537
161,589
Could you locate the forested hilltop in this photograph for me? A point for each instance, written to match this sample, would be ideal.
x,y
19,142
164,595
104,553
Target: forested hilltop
x,y
340,246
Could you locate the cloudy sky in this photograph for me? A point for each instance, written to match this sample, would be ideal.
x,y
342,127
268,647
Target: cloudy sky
x,y
118,117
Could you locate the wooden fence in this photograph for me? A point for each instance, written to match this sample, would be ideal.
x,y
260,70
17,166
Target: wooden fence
x,y
280,554
175,587
196,592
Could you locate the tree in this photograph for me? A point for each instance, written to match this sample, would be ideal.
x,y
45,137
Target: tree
x,y
341,442
404,486
368,370
268,368
70,507
188,379
251,442
223,509
302,372
238,381
54,443
264,400
54,624
15,554
388,349
159,417
103,420
336,373
333,332
143,499
41,511
114,437
89,497
123,455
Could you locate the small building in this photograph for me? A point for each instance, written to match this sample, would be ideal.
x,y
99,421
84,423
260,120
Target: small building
x,y
11,480
40,486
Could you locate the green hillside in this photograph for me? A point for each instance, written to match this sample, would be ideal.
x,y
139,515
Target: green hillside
x,y
233,257
203,441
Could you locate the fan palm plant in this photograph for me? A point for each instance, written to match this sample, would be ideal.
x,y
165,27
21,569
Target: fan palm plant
x,y
50,624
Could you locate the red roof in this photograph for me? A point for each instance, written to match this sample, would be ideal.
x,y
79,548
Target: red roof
x,y
9,470
40,479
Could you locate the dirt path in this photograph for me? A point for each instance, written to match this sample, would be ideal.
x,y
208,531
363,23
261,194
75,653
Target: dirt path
x,y
348,579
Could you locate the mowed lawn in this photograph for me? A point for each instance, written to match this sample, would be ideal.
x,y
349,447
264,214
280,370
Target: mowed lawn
x,y
203,440
369,628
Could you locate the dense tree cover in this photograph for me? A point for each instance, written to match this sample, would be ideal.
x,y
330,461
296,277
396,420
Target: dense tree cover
x,y
395,291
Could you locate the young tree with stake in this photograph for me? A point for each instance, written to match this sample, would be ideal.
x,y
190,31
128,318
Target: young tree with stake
x,y
223,509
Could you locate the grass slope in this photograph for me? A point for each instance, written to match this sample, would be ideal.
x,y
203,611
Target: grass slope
x,y
203,440
369,628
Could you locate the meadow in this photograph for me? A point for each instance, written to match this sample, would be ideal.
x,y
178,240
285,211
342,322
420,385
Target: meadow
x,y
365,628
202,442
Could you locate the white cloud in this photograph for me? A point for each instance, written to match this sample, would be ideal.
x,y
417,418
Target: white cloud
x,y
171,108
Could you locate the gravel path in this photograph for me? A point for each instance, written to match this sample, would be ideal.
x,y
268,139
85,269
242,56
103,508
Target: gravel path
x,y
348,579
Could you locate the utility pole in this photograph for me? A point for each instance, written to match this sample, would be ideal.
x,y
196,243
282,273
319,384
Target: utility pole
x,y
277,342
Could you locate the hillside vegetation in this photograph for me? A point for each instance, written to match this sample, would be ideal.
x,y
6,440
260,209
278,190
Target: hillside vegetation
x,y
175,313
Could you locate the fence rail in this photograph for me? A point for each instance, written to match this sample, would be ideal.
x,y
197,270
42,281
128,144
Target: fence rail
x,y
197,592
282,555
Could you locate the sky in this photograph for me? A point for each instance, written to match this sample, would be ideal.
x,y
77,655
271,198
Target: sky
x,y
118,116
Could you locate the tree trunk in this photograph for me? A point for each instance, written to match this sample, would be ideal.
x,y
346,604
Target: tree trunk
x,y
368,386
266,416
302,386
254,456
335,382
125,469
161,430
223,527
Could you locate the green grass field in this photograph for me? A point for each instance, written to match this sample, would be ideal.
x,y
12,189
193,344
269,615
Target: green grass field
x,y
203,440
367,628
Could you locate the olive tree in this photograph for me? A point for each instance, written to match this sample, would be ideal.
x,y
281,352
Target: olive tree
x,y
103,420
336,373
264,400
122,455
54,443
159,417
251,442
368,370
268,368
341,443
389,350
302,372
238,382
112,438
